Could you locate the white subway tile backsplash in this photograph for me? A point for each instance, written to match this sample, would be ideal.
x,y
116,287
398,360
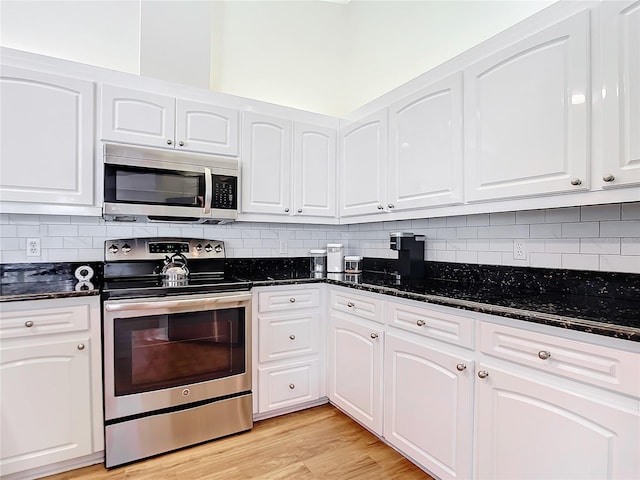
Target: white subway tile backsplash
x,y
502,218
576,261
600,212
631,211
567,214
604,237
582,229
622,228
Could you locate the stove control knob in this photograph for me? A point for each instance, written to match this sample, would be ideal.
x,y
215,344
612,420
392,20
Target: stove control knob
x,y
208,247
218,248
113,249
126,248
198,248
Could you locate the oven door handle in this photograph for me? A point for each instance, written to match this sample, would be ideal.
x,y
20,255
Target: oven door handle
x,y
170,304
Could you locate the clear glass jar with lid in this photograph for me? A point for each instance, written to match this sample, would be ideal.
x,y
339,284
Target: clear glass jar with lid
x,y
318,263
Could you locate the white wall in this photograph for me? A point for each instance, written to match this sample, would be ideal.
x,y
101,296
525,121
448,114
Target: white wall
x,y
603,237
319,56
105,33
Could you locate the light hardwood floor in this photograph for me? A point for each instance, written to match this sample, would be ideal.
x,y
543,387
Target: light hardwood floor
x,y
318,443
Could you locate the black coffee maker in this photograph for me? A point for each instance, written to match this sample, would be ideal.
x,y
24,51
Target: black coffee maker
x,y
410,249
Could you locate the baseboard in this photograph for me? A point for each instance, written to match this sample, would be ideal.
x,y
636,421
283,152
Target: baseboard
x,y
295,408
57,467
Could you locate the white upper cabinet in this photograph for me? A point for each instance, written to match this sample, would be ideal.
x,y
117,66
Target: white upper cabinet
x,y
266,164
47,132
314,170
527,128
363,165
621,65
426,147
142,118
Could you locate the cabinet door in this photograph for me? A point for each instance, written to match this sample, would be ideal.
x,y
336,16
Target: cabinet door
x,y
266,164
46,127
355,375
206,128
363,168
527,115
621,64
425,153
288,385
428,405
46,404
314,170
130,116
531,429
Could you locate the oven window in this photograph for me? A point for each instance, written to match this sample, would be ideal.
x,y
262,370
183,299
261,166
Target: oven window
x,y
163,351
153,186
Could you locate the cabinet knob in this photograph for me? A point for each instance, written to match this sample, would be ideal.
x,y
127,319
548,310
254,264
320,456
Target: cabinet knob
x,y
292,386
286,210
292,300
299,210
28,324
351,304
169,142
608,178
374,335
380,207
483,374
420,323
81,346
544,355
181,143
461,367
576,181
391,205
292,337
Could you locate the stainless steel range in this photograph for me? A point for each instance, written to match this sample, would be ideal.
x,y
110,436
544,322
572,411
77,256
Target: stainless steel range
x,y
177,347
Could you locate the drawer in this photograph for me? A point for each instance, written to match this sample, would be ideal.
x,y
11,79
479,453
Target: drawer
x,y
277,301
288,335
454,329
593,364
361,306
280,387
42,321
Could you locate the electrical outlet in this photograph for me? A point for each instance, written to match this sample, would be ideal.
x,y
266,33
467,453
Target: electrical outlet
x,y
283,246
519,250
33,247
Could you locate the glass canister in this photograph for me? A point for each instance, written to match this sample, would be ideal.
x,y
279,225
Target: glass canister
x,y
352,264
318,263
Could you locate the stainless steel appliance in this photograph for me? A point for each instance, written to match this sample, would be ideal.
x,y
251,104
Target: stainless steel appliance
x,y
410,249
152,185
177,351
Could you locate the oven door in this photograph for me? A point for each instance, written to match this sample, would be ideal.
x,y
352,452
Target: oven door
x,y
166,352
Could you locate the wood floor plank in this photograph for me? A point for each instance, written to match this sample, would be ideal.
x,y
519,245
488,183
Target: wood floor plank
x,y
320,443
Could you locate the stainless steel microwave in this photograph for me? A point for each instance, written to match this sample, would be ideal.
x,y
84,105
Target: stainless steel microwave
x,y
153,185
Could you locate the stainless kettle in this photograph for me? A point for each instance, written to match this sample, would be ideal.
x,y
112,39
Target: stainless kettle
x,y
175,268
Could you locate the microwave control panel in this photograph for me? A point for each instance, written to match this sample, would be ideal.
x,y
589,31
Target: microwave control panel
x,y
225,192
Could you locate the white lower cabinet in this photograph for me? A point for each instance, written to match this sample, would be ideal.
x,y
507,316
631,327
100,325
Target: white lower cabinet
x,y
541,428
50,383
428,402
289,344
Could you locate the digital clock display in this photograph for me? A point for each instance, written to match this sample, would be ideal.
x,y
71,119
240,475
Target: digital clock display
x,y
169,247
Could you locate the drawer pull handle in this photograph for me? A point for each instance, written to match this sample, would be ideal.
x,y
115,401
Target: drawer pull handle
x,y
420,323
374,335
292,337
292,300
483,374
461,367
608,178
351,304
292,386
81,346
28,324
544,355
576,181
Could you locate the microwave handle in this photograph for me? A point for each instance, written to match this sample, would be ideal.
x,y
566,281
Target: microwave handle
x,y
208,190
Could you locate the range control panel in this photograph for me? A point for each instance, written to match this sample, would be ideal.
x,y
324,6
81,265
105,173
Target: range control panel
x,y
158,248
